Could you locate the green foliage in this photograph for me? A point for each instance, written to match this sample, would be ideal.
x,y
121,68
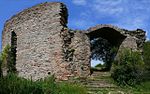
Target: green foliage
x,y
99,65
1,74
69,88
104,51
11,84
128,68
146,55
7,59
4,58
5,55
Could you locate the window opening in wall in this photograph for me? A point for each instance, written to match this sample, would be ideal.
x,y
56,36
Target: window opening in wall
x,y
13,49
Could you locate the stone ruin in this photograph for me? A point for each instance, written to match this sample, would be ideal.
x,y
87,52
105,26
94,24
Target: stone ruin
x,y
45,46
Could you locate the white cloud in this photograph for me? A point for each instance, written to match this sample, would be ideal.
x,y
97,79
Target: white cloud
x,y
109,7
107,2
147,38
81,23
79,2
130,14
131,22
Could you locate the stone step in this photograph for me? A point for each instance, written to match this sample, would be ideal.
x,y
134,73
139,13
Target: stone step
x,y
101,74
97,83
93,80
98,72
101,85
99,79
98,90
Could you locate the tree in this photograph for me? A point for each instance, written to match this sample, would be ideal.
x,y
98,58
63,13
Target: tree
x,y
146,54
104,51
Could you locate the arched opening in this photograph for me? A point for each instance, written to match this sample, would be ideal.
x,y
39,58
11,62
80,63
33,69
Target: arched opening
x,y
13,50
105,43
103,52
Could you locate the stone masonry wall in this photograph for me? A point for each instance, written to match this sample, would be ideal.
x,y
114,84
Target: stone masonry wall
x,y
76,49
39,43
134,40
81,58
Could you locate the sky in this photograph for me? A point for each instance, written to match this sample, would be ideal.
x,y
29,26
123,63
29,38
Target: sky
x,y
127,14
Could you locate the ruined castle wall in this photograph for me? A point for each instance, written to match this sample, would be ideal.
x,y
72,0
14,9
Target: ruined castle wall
x,y
82,53
39,43
76,49
134,40
129,42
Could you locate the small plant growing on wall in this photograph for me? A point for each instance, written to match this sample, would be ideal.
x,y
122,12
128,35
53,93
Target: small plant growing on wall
x,y
128,68
7,60
1,66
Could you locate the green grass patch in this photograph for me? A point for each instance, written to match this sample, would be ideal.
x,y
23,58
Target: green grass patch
x,y
69,88
11,84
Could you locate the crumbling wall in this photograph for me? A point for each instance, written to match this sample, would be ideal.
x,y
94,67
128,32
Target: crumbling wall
x,y
39,43
76,49
45,46
134,40
81,58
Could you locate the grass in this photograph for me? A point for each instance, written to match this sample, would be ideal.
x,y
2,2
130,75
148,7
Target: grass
x,y
66,88
144,87
12,84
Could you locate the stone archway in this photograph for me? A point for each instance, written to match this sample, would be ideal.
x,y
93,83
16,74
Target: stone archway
x,y
105,42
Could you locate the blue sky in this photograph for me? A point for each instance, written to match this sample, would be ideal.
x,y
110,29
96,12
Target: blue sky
x,y
128,14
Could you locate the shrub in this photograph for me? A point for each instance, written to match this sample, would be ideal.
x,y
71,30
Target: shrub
x,y
128,68
99,65
146,54
7,60
1,73
146,57
4,55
